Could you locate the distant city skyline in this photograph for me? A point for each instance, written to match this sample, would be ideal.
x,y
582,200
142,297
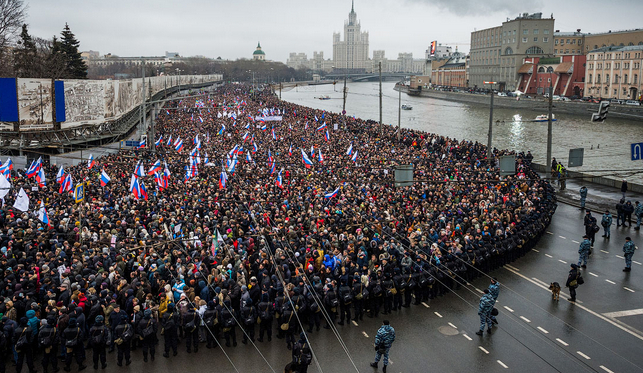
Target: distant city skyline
x,y
232,30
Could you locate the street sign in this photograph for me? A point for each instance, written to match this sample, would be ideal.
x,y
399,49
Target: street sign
x,y
576,157
79,192
637,150
489,82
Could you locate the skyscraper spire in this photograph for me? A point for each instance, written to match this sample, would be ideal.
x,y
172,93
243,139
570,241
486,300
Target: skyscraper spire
x,y
353,6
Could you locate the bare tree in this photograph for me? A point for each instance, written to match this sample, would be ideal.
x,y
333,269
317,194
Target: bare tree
x,y
12,16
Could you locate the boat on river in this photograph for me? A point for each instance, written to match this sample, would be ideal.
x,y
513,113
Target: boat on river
x,y
324,97
407,107
544,118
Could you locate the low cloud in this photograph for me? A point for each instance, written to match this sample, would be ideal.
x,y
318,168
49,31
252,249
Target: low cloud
x,y
476,7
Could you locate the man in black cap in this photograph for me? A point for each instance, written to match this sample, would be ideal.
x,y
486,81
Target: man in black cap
x,y
72,339
48,340
170,323
23,340
123,334
98,341
302,356
590,227
147,329
572,282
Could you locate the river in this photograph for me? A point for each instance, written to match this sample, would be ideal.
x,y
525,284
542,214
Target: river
x,y
607,145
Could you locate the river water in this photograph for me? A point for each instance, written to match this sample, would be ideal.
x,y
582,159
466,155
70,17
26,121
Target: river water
x,y
607,145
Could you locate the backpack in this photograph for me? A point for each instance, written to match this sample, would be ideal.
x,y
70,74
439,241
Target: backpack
x,y
22,340
264,313
149,329
74,341
128,333
211,320
347,297
305,355
333,301
191,325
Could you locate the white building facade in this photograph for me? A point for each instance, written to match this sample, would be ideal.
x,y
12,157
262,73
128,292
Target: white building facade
x,y
352,52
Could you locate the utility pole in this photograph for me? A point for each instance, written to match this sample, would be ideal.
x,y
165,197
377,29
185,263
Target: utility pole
x,y
281,87
380,68
490,134
142,128
344,105
549,126
399,112
152,136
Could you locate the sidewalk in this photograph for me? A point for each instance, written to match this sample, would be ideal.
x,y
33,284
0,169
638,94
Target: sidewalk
x,y
599,197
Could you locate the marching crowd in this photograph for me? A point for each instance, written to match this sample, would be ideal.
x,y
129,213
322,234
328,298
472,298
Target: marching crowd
x,y
261,220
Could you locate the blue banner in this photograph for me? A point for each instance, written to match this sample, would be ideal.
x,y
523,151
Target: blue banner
x,y
59,93
8,100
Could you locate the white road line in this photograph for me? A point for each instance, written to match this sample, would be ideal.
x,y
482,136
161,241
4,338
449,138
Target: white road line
x,y
502,364
479,291
543,283
583,355
628,289
620,257
562,261
525,319
508,309
512,267
605,369
635,262
615,323
549,256
453,326
562,342
610,281
467,337
593,274
548,232
574,241
638,311
365,335
542,330
564,238
437,314
606,252
536,250
425,305
354,323
483,349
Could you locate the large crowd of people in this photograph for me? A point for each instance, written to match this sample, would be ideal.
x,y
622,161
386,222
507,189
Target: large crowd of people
x,y
272,220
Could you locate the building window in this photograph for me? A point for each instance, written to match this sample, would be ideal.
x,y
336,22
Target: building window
x,y
615,92
550,69
555,51
625,79
598,79
615,79
534,50
580,41
524,40
535,31
541,69
548,80
566,51
546,31
555,41
540,80
525,32
545,39
573,41
606,91
590,78
607,78
636,78
536,39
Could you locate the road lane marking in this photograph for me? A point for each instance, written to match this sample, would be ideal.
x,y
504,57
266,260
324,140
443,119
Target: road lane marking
x,y
635,262
437,314
605,369
583,355
615,323
610,281
562,261
536,250
467,337
628,289
483,349
606,252
365,335
453,326
479,291
564,238
542,330
425,305
620,257
574,241
549,256
593,274
512,267
562,342
543,283
502,364
354,323
638,311
548,232
508,309
525,319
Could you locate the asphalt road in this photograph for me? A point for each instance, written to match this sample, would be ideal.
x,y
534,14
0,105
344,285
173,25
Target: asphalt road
x,y
600,333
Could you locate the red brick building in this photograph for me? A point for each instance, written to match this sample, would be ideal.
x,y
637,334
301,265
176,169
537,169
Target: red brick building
x,y
566,74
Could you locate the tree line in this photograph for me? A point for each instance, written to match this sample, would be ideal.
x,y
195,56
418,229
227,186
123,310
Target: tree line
x,y
25,56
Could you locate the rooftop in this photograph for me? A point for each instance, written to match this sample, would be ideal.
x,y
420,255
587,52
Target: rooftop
x,y
618,49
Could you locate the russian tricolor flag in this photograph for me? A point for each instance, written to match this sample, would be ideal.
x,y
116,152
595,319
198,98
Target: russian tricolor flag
x,y
65,186
158,142
350,150
61,175
254,147
290,150
155,167
142,144
42,214
40,177
327,136
279,181
321,157
179,146
138,171
90,161
104,178
307,161
332,194
33,169
354,157
322,127
223,180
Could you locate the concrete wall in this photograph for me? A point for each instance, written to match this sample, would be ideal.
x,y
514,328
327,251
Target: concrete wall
x,y
637,188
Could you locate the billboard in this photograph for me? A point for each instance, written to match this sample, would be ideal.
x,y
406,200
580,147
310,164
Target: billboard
x,y
434,45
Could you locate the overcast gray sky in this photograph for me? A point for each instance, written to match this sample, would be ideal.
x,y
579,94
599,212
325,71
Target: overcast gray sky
x,y
231,29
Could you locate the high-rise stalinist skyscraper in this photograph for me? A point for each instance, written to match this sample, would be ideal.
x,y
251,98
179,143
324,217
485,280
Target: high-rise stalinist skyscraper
x,y
352,52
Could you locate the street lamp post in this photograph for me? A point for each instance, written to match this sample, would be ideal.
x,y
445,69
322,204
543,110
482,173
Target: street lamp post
x,y
399,110
490,133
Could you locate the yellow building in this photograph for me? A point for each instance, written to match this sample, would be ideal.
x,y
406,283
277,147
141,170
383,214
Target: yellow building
x,y
614,72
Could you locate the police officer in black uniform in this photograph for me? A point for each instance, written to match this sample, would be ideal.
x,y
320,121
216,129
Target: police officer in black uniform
x,y
48,339
147,329
170,324
98,337
73,337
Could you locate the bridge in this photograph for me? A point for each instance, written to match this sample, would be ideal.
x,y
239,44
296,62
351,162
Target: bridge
x,y
367,77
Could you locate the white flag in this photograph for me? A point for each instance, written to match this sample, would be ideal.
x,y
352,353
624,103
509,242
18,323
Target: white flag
x,y
22,202
4,187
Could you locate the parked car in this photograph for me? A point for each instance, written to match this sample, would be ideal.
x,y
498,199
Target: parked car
x,y
502,94
632,102
563,98
617,101
594,101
